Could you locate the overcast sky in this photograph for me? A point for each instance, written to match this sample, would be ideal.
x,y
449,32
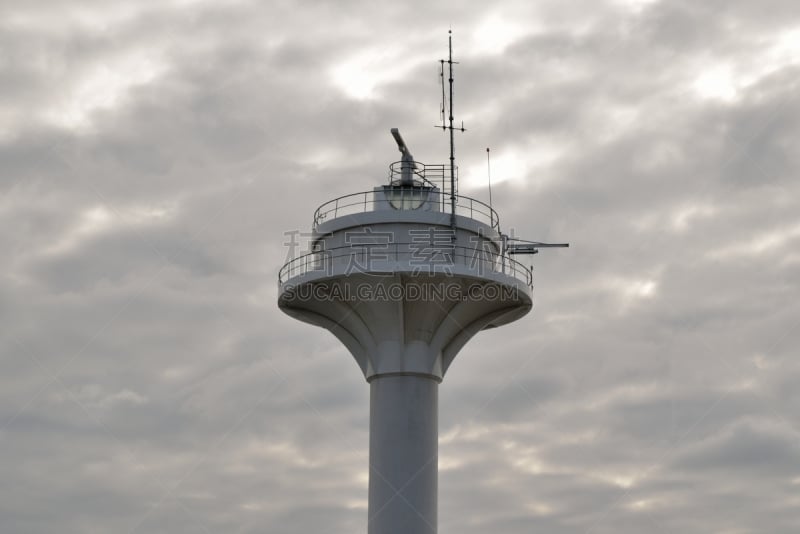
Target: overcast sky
x,y
154,153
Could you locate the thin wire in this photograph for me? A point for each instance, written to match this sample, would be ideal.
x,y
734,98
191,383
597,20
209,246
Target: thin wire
x,y
489,175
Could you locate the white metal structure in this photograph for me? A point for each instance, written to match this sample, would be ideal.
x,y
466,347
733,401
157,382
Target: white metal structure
x,y
404,276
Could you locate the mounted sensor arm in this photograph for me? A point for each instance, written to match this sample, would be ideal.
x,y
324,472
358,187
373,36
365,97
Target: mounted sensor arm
x,y
407,166
528,247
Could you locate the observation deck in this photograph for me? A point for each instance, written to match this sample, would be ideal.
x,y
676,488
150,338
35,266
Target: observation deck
x,y
404,275
359,232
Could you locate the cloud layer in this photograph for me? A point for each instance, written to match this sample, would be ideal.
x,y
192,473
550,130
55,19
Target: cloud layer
x,y
155,155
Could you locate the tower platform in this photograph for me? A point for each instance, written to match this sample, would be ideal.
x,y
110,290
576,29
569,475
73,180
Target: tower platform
x,y
401,283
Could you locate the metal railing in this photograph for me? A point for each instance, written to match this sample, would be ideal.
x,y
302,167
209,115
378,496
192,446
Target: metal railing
x,y
365,201
437,174
421,257
411,198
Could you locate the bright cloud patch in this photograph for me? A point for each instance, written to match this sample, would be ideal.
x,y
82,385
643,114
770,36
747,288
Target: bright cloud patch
x,y
725,80
494,34
360,75
761,244
683,217
635,5
101,219
513,165
92,222
717,83
104,86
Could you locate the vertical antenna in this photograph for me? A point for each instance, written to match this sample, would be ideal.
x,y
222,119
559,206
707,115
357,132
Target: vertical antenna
x,y
452,144
489,175
444,98
452,129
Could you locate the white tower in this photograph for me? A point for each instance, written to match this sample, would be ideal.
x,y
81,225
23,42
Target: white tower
x,y
404,275
404,291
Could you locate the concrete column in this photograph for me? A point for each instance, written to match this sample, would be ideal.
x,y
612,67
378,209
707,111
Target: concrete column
x,y
403,454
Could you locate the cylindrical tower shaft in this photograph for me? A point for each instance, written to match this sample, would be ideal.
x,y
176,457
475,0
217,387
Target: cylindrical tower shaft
x,y
403,454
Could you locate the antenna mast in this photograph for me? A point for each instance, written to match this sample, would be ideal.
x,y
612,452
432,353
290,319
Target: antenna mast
x,y
489,175
450,127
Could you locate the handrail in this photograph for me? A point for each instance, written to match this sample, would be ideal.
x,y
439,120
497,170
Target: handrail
x,y
362,201
478,258
427,173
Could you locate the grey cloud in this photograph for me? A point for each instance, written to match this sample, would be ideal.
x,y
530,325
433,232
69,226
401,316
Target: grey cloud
x,y
651,389
770,452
